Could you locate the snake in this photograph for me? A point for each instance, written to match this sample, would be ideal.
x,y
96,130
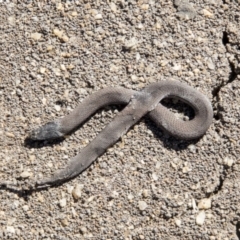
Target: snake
x,y
138,104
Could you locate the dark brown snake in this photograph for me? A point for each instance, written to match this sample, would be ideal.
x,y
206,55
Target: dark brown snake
x,y
138,104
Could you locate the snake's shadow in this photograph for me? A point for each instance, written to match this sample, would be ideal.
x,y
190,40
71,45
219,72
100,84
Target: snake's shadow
x,y
21,193
29,143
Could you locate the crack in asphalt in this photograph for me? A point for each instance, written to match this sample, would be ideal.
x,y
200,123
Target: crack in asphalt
x,y
216,98
232,76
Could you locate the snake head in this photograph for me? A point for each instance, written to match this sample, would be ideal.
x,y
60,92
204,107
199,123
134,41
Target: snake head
x,y
45,132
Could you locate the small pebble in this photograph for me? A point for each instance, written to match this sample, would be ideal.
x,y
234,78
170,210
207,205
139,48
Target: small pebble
x,y
77,192
83,229
26,174
200,218
40,198
130,196
142,205
98,16
44,101
145,193
154,176
158,165
177,67
36,36
57,32
57,71
49,48
42,70
74,14
10,229
11,135
207,13
228,161
64,222
25,208
113,7
178,222
210,64
65,38
144,6
192,148
90,198
60,6
204,203
63,202
11,20
114,194
58,108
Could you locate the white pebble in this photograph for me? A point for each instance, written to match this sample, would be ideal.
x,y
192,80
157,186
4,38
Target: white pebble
x,y
57,71
144,6
130,196
60,7
138,57
11,20
63,202
76,193
26,174
114,194
44,101
164,63
139,26
57,33
204,203
134,78
65,38
36,36
207,13
113,7
158,165
83,229
11,135
178,222
62,66
42,70
145,193
177,67
25,207
228,161
90,198
58,108
10,229
74,14
192,148
154,176
200,218
98,16
142,205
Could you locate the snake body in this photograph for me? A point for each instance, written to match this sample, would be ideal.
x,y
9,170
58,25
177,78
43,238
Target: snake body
x,y
137,104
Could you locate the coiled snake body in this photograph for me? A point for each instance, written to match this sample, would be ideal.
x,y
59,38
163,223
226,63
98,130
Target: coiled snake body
x,y
137,104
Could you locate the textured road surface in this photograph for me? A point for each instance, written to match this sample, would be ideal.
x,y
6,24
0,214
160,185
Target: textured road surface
x,y
148,185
